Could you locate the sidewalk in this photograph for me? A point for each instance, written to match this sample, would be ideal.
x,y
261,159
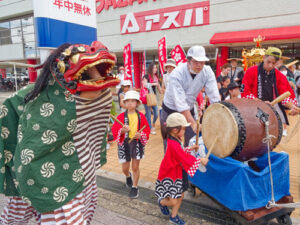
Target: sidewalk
x,y
102,215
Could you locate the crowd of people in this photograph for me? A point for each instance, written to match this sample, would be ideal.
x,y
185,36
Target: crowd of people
x,y
187,89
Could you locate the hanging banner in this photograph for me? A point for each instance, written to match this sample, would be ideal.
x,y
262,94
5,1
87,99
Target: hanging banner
x,y
162,54
127,62
178,55
61,21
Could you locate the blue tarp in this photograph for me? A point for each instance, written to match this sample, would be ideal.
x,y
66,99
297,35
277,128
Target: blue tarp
x,y
238,187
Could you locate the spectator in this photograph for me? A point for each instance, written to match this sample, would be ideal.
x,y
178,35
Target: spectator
x,y
233,91
289,75
224,84
169,67
224,73
121,77
125,86
150,81
236,73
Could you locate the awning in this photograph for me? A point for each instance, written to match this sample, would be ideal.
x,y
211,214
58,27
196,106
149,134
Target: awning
x,y
279,33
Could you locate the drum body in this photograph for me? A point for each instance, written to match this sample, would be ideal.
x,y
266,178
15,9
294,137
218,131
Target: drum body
x,y
239,131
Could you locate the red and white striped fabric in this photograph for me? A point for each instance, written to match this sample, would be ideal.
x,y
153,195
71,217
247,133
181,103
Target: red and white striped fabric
x,y
288,99
92,118
193,168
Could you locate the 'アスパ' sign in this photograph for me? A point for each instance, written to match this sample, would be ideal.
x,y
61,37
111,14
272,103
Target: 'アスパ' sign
x,y
195,14
60,21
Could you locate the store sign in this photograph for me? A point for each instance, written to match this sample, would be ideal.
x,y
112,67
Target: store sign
x,y
60,21
107,4
195,14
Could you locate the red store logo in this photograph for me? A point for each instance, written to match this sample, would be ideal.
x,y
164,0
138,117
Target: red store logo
x,y
195,14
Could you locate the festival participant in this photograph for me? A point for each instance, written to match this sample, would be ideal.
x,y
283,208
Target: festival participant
x,y
133,121
125,87
187,80
169,67
236,73
225,69
169,188
150,81
265,82
52,139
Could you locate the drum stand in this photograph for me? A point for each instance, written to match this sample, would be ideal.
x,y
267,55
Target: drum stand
x,y
264,117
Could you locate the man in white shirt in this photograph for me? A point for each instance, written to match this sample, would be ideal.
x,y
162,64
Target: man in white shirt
x,y
187,80
185,83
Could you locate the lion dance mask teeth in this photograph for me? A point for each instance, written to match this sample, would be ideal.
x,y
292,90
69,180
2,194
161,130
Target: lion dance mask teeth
x,y
70,68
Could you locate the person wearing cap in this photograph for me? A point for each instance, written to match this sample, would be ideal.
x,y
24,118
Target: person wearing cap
x,y
125,86
187,80
168,67
233,91
265,82
236,72
169,183
131,138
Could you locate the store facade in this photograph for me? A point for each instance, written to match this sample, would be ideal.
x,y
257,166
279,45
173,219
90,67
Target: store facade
x,y
224,27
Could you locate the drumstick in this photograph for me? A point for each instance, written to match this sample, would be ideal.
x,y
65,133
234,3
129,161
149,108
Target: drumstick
x,y
280,98
198,131
211,148
137,132
115,119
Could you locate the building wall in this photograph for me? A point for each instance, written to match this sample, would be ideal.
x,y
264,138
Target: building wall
x,y
15,8
225,16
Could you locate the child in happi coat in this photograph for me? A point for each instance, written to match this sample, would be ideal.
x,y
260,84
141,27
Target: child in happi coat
x,y
128,150
169,182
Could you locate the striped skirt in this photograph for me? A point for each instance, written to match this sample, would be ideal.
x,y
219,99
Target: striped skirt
x,y
79,210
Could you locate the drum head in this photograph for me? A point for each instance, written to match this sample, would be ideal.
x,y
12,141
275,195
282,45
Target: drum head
x,y
218,121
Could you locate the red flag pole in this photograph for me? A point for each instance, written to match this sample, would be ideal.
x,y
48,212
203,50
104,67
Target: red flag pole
x,y
132,68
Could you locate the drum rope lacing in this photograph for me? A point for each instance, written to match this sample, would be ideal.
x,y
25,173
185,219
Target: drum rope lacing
x,y
268,140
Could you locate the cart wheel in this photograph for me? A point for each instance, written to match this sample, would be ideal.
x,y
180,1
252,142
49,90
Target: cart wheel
x,y
284,220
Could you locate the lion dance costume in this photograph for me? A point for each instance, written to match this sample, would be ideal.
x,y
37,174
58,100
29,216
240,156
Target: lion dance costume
x,y
52,140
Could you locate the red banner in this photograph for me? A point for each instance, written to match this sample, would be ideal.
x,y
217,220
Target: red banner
x,y
144,64
181,16
127,62
162,54
178,55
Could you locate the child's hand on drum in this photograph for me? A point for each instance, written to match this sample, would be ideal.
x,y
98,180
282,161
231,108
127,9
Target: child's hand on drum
x,y
204,161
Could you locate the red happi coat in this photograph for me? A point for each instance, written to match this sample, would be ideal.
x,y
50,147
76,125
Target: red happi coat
x,y
169,182
250,82
176,159
116,129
